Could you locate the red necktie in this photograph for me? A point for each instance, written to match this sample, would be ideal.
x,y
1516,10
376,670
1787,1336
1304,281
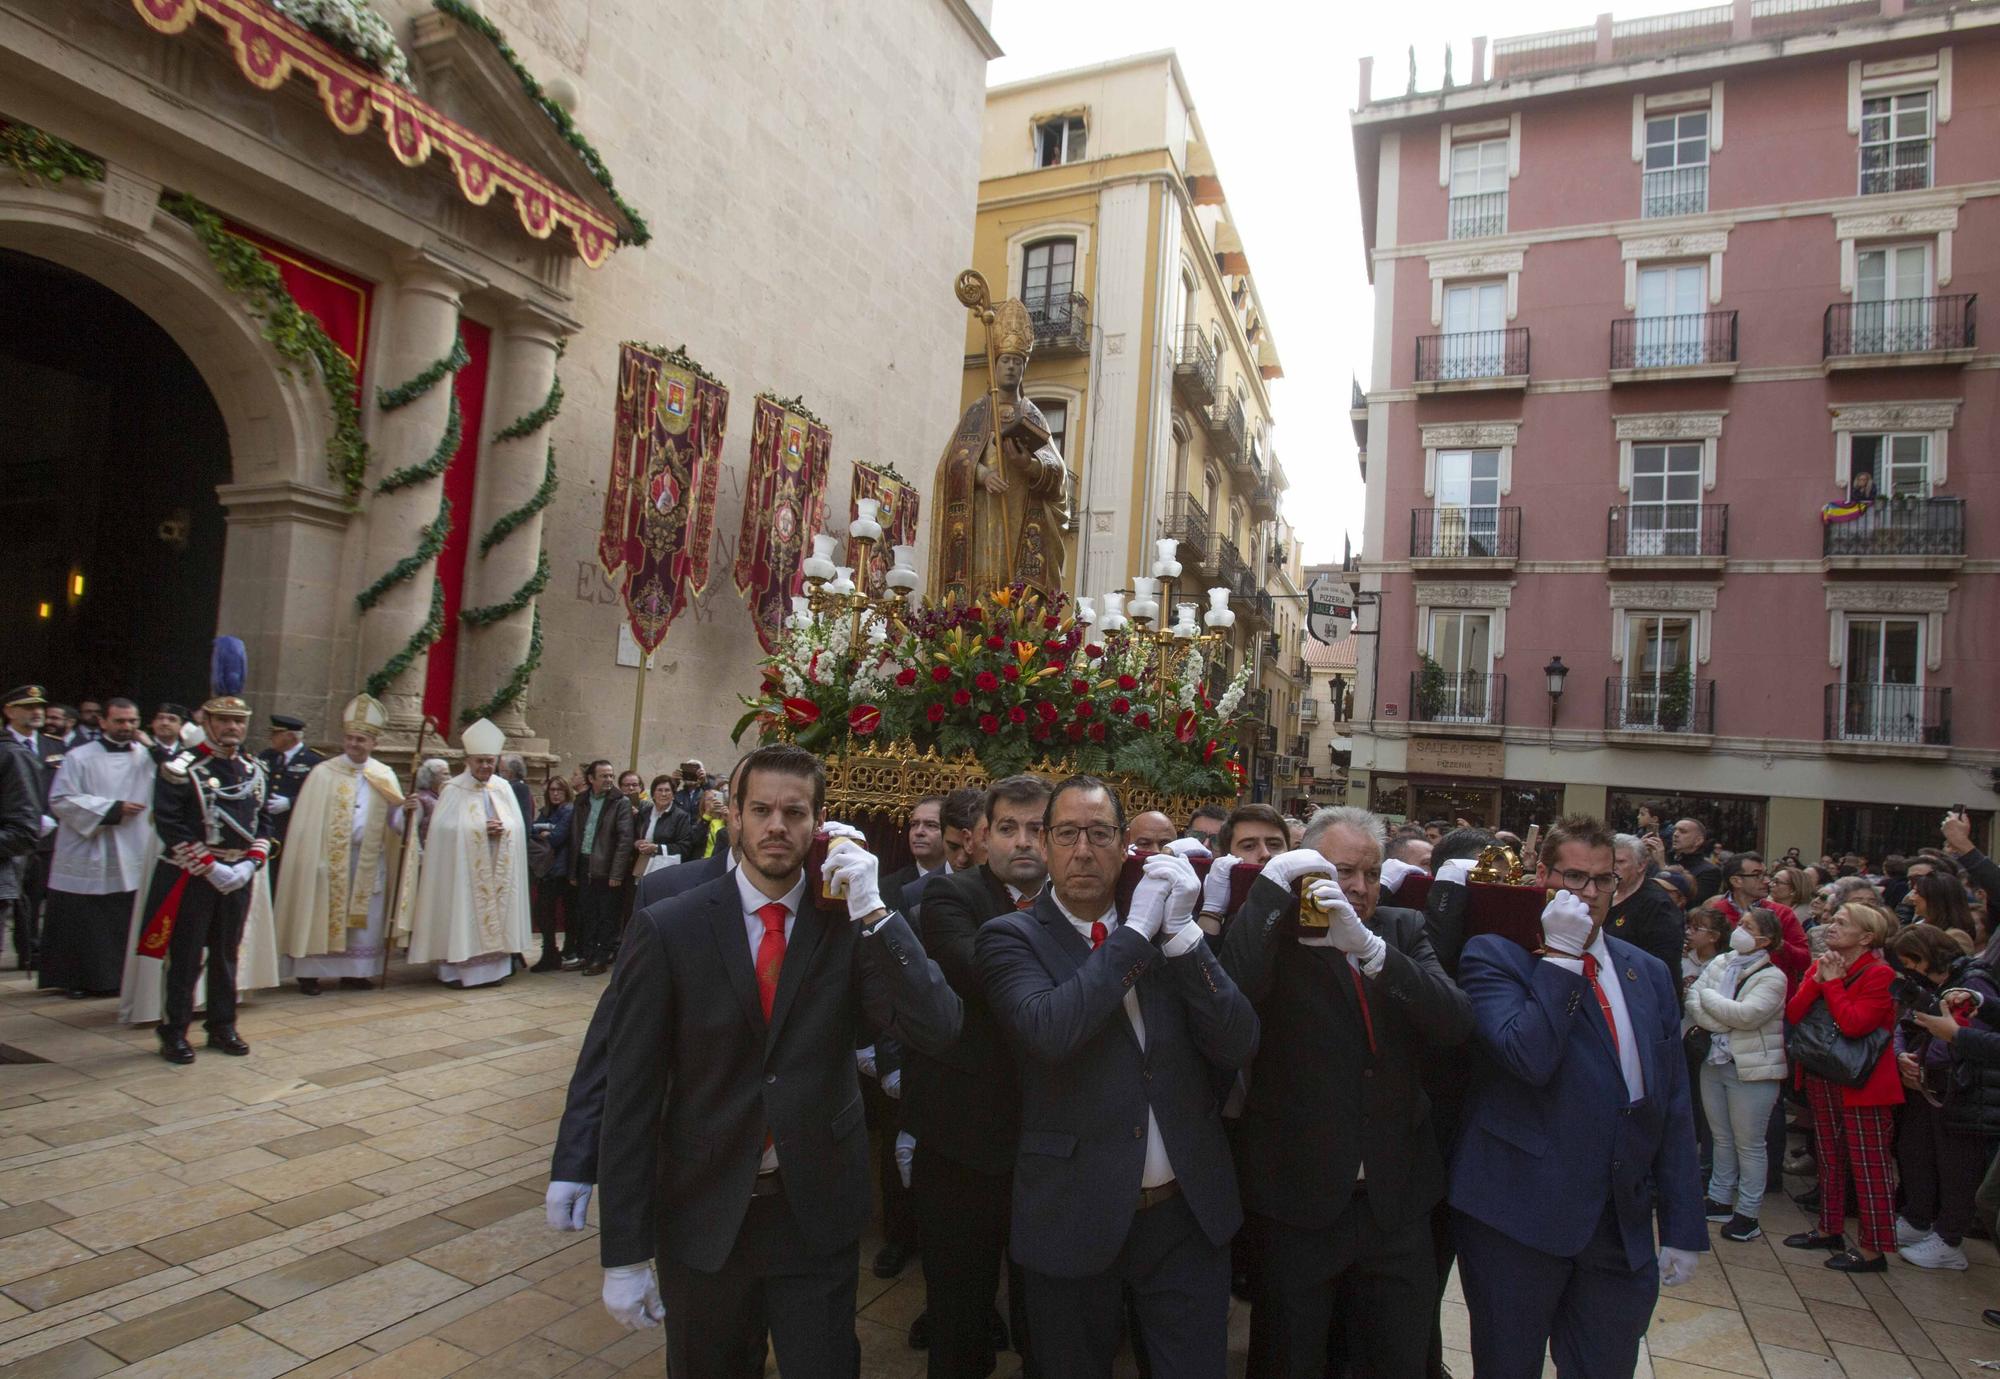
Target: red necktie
x,y
1603,1001
1096,935
1361,995
770,954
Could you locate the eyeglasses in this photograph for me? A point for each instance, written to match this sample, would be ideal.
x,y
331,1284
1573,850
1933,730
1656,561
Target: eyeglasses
x,y
1100,835
1579,881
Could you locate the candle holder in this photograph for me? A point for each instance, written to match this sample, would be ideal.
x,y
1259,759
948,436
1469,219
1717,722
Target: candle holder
x,y
831,589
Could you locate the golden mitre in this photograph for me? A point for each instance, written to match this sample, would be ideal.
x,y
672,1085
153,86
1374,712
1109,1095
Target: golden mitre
x,y
365,714
1013,329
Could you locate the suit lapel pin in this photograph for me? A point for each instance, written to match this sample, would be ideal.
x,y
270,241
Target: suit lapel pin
x,y
1630,975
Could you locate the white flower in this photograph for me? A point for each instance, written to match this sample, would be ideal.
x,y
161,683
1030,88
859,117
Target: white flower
x,y
354,27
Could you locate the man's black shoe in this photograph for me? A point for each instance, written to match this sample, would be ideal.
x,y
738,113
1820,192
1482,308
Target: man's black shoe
x,y
228,1041
571,962
890,1259
309,986
1813,1240
1742,1229
550,961
174,1047
1717,1211
596,969
356,984
1991,1316
920,1332
1853,1262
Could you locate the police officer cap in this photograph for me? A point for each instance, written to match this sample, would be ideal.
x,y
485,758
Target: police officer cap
x,y
288,723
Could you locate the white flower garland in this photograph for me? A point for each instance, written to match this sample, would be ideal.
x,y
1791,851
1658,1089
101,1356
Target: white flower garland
x,y
357,29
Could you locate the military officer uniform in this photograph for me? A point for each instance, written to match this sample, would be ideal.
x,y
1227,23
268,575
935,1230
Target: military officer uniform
x,y
287,776
29,881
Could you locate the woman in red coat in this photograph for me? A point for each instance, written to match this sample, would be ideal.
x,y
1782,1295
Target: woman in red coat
x,y
1855,1126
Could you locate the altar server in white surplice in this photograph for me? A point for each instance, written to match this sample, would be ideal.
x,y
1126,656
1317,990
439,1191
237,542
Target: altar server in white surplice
x,y
343,856
471,915
102,800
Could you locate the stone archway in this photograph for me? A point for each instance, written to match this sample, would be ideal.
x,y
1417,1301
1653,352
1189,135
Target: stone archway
x,y
287,523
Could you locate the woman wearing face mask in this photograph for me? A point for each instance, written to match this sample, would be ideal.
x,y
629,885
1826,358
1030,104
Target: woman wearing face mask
x,y
1739,998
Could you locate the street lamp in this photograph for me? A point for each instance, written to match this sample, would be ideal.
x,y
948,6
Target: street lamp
x,y
1556,672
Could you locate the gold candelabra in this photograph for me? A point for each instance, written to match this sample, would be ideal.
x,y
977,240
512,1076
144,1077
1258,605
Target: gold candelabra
x,y
831,589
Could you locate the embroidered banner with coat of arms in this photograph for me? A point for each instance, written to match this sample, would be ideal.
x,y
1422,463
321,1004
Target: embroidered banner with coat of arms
x,y
783,503
898,516
659,502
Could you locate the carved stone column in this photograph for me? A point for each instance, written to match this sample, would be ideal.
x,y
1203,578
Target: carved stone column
x,y
511,471
424,330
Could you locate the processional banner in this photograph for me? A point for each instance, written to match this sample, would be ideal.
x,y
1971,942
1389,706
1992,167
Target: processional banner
x,y
659,501
783,502
898,515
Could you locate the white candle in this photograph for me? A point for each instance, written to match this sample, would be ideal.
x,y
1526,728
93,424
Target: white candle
x,y
1086,611
865,527
843,580
1144,587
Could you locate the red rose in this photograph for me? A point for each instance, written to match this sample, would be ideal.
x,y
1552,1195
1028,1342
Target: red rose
x,y
906,677
1142,720
801,712
1075,732
973,614
1085,709
1127,682
935,713
1010,673
1041,733
1046,711
864,719
1079,687
1121,705
1054,647
961,697
996,643
1017,714
987,681
1093,651
940,674
1097,732
1184,726
988,723
1051,621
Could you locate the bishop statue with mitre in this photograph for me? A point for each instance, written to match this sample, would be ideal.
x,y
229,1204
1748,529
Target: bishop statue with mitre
x,y
1002,510
343,854
471,914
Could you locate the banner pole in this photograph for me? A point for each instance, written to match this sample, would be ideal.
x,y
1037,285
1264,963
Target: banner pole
x,y
638,709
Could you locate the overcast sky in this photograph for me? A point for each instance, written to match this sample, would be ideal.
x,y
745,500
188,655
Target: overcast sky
x,y
1274,81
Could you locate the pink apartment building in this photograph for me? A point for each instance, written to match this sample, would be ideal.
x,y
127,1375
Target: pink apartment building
x,y
1681,404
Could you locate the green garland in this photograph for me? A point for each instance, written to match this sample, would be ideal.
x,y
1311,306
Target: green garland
x,y
515,602
429,542
434,467
792,404
291,330
678,356
508,521
389,399
420,641
537,419
40,156
517,683
640,232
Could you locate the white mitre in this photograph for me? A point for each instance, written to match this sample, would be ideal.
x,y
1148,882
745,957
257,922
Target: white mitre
x,y
482,739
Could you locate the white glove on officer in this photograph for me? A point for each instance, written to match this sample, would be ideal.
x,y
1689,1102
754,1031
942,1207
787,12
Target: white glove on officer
x,y
632,1296
1184,888
566,1204
1215,886
1676,1266
857,870
906,1155
230,876
278,804
864,1061
1187,847
1566,925
1346,932
1288,867
1394,873
1458,871
48,827
892,1083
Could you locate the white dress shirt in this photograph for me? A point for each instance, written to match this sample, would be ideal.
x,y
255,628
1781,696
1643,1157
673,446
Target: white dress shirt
x,y
1157,1170
754,900
1613,982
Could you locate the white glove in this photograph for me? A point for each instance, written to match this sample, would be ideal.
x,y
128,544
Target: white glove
x,y
1148,909
632,1296
278,804
48,827
1346,932
1566,925
1215,886
230,876
892,1083
1184,888
864,1061
833,828
1288,867
566,1204
1187,847
906,1154
1394,873
855,871
1676,1266
1457,871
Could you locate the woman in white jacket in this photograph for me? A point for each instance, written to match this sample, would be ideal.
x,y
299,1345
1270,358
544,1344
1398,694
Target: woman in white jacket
x,y
1739,998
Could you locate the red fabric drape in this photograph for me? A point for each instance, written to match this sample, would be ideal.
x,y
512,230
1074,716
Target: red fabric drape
x,y
339,301
469,384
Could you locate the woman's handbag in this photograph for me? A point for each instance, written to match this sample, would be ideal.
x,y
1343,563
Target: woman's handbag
x,y
1697,1041
1817,1045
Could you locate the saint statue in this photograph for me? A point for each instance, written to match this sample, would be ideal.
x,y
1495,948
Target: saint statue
x,y
1002,491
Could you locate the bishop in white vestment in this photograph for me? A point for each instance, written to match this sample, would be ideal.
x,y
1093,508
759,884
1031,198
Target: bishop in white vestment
x,y
471,914
102,800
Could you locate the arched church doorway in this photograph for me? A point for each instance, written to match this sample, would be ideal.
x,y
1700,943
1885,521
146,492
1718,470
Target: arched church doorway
x,y
111,449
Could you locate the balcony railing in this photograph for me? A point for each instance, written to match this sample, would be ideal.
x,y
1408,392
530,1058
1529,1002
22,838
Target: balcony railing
x,y
1900,527
1670,530
1674,342
1869,711
1267,738
1227,562
1465,533
1472,354
1187,523
1256,604
1673,191
1257,705
1650,704
1194,365
1465,697
1225,419
1911,325
1475,216
1308,710
1061,320
1272,649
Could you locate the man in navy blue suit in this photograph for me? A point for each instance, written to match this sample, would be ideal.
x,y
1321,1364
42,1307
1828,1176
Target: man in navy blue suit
x,y
1578,1123
1124,1027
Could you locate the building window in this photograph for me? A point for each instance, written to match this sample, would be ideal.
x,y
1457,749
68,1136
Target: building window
x,y
1881,693
1735,821
1059,141
1055,412
1478,189
1461,647
1894,310
1475,331
1673,326
1048,280
1657,690
1676,177
1666,500
1466,520
1896,133
1877,830
1894,465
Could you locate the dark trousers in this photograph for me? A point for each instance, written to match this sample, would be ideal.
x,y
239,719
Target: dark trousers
x,y
1180,1283
1941,1171
595,920
962,1217
1589,1310
1379,1287
207,932
552,902
28,910
716,1322
885,1119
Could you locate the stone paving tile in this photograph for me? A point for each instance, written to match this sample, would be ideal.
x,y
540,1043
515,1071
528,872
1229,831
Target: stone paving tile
x,y
502,1323
494,1206
233,1352
172,1326
311,1206
424,1358
78,1280
212,1239
75,1360
396,1242
157,1215
29,1216
309,1275
37,1252
434,1319
324,1321
313,1141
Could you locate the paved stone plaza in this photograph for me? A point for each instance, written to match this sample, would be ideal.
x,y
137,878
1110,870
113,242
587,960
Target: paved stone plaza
x,y
362,1196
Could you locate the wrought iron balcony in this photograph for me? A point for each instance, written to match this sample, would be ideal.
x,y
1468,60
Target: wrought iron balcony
x,y
1899,527
1267,738
1673,191
1061,320
1255,603
1659,704
1187,523
1309,710
1698,340
1225,420
1465,697
1472,217
1257,705
1264,501
1453,533
1194,366
1869,711
1227,562
1667,531
1911,325
1470,357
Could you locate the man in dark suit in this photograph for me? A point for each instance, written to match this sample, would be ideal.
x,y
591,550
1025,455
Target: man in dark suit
x,y
1338,1162
964,1105
1122,1176
1578,1124
287,763
26,711
926,838
734,1151
600,863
